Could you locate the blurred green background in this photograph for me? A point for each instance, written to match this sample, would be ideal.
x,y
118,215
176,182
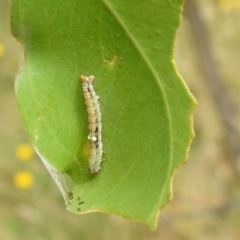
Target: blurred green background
x,y
206,190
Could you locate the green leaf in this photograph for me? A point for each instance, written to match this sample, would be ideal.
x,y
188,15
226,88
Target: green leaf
x,y
146,108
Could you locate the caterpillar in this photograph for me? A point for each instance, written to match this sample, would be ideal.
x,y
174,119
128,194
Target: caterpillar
x,y
95,125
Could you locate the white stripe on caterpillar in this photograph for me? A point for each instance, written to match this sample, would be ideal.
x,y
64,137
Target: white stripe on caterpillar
x,y
95,125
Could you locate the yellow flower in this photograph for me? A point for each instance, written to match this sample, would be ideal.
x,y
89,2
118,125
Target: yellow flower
x,y
23,180
24,152
2,49
230,4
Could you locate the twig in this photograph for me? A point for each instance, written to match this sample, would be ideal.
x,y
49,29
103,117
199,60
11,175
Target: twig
x,y
223,101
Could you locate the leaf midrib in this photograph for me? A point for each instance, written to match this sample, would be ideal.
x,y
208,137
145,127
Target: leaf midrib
x,y
150,66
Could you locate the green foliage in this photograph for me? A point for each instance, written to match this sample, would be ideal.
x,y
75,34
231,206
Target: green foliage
x,y
146,108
